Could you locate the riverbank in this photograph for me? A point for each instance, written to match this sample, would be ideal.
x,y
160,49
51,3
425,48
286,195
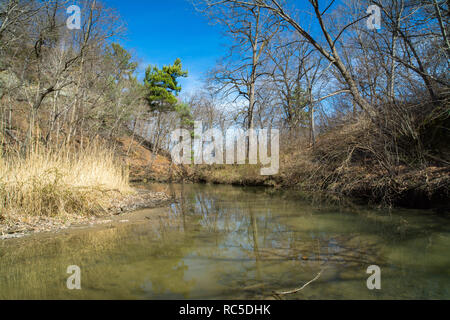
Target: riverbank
x,y
48,189
421,188
353,159
406,186
17,226
427,188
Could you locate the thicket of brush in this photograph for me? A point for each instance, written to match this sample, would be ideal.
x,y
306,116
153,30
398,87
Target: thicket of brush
x,y
48,182
402,156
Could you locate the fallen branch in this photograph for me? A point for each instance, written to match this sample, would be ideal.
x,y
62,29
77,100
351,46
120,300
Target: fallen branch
x,y
300,289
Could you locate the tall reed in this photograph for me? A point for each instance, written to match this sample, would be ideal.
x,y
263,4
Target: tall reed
x,y
49,182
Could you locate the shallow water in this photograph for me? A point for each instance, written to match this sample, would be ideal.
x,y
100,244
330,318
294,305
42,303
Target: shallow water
x,y
223,242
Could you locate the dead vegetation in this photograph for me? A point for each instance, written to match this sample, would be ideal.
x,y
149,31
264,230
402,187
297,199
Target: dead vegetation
x,y
400,158
49,182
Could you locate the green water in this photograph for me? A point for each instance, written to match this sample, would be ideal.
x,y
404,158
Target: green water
x,y
223,242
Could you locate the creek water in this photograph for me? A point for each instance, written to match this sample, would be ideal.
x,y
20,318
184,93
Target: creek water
x,y
224,242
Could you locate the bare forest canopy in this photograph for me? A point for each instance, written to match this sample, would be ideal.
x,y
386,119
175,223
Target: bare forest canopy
x,y
328,75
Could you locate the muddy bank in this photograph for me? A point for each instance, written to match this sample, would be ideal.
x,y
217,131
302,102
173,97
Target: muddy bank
x,y
18,226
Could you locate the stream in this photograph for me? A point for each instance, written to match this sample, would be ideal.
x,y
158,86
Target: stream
x,y
225,242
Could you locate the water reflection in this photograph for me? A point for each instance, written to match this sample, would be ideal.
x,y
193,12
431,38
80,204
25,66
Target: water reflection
x,y
228,242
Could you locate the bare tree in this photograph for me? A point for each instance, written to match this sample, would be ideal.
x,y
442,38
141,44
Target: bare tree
x,y
13,15
250,29
329,50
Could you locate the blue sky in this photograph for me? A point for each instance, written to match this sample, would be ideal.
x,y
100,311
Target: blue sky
x,y
161,31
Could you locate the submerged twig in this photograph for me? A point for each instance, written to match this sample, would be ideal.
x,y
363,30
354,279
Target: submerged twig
x,y
301,288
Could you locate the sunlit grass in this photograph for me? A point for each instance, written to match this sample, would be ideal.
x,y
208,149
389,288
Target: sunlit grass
x,y
47,182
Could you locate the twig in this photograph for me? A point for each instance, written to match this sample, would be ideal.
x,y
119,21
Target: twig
x,y
303,287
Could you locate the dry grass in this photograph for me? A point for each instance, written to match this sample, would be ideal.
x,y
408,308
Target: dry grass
x,y
244,175
47,182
